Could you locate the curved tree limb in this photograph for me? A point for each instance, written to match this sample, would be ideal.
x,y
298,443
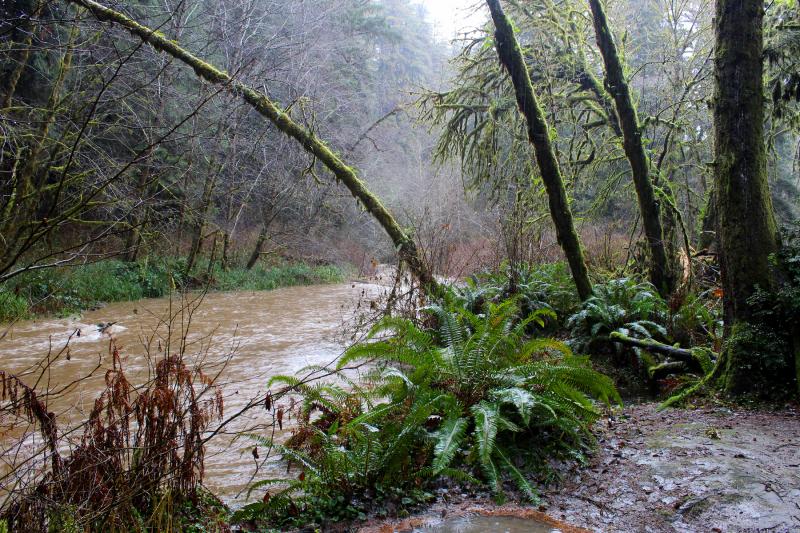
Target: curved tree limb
x,y
405,245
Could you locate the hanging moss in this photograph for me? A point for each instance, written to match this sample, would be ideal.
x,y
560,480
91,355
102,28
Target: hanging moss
x,y
662,264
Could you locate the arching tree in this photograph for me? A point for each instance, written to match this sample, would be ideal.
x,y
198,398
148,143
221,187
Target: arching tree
x,y
405,245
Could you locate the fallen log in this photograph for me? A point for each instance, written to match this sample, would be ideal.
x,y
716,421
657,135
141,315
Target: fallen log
x,y
697,356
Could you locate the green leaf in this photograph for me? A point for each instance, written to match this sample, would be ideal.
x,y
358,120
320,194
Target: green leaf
x,y
448,440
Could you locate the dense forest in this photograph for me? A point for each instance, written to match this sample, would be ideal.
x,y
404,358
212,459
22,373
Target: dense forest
x,y
570,225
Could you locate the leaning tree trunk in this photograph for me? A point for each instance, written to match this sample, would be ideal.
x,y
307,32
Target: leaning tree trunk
x,y
258,249
752,362
662,271
407,248
512,59
200,223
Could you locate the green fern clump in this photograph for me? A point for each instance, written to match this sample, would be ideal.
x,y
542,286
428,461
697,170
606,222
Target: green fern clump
x,y
535,287
698,320
500,387
622,305
475,399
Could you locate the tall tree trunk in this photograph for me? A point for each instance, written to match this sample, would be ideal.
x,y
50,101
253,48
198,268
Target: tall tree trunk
x,y
226,245
708,238
407,248
662,266
748,234
200,223
512,59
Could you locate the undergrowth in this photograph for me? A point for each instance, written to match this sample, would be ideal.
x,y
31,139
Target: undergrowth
x,y
136,463
67,291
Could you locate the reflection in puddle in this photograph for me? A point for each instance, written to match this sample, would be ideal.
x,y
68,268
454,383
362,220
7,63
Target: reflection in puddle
x,y
487,524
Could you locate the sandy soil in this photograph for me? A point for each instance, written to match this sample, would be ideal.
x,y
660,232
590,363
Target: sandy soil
x,y
708,469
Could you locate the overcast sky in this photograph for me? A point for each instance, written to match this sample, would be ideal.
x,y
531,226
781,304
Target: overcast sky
x,y
452,16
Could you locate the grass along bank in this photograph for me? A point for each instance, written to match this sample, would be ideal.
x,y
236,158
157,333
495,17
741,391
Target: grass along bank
x,y
71,290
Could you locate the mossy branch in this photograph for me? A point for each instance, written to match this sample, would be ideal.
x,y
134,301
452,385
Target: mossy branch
x,y
696,356
261,102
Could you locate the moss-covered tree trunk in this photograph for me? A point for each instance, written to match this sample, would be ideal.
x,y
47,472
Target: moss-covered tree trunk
x,y
662,266
405,245
512,59
752,361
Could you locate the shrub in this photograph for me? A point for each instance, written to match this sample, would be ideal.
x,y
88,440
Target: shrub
x,y
140,453
535,287
12,306
623,305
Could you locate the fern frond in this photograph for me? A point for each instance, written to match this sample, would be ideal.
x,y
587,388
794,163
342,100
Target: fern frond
x,y
522,400
486,416
448,439
522,482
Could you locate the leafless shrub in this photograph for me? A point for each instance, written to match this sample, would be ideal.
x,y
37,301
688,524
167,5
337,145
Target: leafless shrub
x,y
141,449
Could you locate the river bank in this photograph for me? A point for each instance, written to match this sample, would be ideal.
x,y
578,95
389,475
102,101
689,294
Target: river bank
x,y
696,469
69,291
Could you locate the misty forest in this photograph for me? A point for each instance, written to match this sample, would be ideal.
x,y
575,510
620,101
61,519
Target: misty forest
x,y
399,265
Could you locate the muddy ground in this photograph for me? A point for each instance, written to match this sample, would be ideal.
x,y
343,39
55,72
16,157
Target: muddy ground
x,y
707,469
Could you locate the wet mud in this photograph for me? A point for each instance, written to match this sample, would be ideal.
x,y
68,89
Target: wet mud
x,y
709,469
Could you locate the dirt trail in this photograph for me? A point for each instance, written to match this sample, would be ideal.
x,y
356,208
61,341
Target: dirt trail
x,y
710,469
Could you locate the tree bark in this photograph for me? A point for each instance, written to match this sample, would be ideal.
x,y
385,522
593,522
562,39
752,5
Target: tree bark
x,y
746,222
662,271
256,255
512,59
226,245
747,228
406,247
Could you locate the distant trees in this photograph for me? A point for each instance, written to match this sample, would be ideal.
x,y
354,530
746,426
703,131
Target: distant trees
x,y
149,160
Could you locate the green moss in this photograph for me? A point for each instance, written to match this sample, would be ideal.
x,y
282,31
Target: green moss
x,y
755,361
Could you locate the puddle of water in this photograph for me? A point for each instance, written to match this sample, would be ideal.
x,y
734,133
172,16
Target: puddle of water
x,y
487,524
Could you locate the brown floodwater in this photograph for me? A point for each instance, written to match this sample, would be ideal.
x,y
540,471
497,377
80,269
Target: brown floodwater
x,y
246,337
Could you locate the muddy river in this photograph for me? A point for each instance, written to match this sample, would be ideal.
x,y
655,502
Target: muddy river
x,y
245,337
